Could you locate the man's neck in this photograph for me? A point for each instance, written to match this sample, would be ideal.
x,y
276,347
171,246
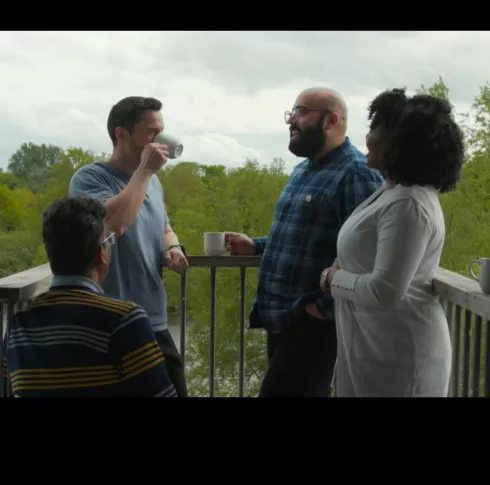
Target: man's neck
x,y
90,281
122,162
329,147
91,275
94,276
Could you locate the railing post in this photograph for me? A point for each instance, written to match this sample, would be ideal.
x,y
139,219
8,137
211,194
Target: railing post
x,y
241,364
10,316
487,363
7,314
183,315
467,350
212,340
457,353
477,357
3,328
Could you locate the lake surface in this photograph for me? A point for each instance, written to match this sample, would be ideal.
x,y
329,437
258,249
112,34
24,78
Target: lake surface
x,y
175,332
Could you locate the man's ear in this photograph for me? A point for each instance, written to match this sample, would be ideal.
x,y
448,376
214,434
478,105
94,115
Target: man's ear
x,y
331,121
100,257
121,133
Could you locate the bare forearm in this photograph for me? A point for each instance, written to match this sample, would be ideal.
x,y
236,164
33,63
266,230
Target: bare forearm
x,y
123,208
170,238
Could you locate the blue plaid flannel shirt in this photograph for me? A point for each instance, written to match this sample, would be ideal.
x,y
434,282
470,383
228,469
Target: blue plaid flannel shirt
x,y
302,242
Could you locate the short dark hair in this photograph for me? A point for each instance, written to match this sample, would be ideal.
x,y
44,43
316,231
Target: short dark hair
x,y
425,145
73,228
128,112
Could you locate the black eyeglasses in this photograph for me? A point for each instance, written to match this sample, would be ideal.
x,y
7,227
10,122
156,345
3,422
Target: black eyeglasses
x,y
292,116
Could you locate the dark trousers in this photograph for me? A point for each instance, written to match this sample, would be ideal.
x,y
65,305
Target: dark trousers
x,y
301,359
173,361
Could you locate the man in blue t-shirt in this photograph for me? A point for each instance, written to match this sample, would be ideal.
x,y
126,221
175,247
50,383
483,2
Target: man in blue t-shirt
x,y
134,200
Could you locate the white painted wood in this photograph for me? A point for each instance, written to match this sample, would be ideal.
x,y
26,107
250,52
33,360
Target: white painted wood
x,y
462,291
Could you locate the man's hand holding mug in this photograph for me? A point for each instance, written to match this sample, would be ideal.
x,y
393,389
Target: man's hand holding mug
x,y
239,244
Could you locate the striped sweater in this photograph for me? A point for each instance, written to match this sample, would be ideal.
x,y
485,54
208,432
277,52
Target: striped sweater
x,y
75,342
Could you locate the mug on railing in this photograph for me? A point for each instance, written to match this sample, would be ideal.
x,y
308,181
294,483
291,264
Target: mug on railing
x,y
484,278
214,243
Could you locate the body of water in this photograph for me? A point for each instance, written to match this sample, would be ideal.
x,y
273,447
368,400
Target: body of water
x,y
175,332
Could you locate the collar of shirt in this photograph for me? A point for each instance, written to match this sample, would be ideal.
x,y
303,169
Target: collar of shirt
x,y
327,158
75,280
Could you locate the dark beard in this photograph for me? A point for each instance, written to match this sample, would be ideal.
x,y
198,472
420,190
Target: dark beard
x,y
308,143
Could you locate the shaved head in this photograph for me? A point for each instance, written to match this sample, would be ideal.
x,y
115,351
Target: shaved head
x,y
324,99
318,122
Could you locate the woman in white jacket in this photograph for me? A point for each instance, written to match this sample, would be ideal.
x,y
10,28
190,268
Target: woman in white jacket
x,y
393,336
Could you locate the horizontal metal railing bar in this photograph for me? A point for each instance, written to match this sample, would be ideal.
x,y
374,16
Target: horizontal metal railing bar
x,y
28,284
224,261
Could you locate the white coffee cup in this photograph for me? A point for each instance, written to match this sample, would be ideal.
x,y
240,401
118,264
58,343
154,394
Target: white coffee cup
x,y
175,147
484,278
214,243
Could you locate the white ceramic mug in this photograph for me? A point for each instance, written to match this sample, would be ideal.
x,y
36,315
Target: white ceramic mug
x,y
175,147
214,243
484,278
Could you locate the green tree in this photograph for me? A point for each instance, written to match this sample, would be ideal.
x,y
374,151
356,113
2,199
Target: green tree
x,y
479,133
9,180
438,89
11,213
32,162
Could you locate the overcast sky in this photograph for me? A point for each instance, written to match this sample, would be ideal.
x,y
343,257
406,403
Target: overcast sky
x,y
224,93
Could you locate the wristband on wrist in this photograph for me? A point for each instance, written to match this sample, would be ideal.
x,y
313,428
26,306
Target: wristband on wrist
x,y
180,246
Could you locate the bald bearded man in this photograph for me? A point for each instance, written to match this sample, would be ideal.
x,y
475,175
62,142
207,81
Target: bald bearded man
x,y
322,191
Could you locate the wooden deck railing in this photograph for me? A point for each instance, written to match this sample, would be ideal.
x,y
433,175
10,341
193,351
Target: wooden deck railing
x,y
468,311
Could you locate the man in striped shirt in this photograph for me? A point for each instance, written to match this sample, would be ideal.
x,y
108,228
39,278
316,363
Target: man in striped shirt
x,y
74,341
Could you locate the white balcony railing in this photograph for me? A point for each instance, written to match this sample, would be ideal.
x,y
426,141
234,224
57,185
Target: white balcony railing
x,y
468,311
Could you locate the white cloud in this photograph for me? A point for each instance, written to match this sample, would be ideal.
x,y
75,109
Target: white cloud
x,y
219,110
217,148
224,93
